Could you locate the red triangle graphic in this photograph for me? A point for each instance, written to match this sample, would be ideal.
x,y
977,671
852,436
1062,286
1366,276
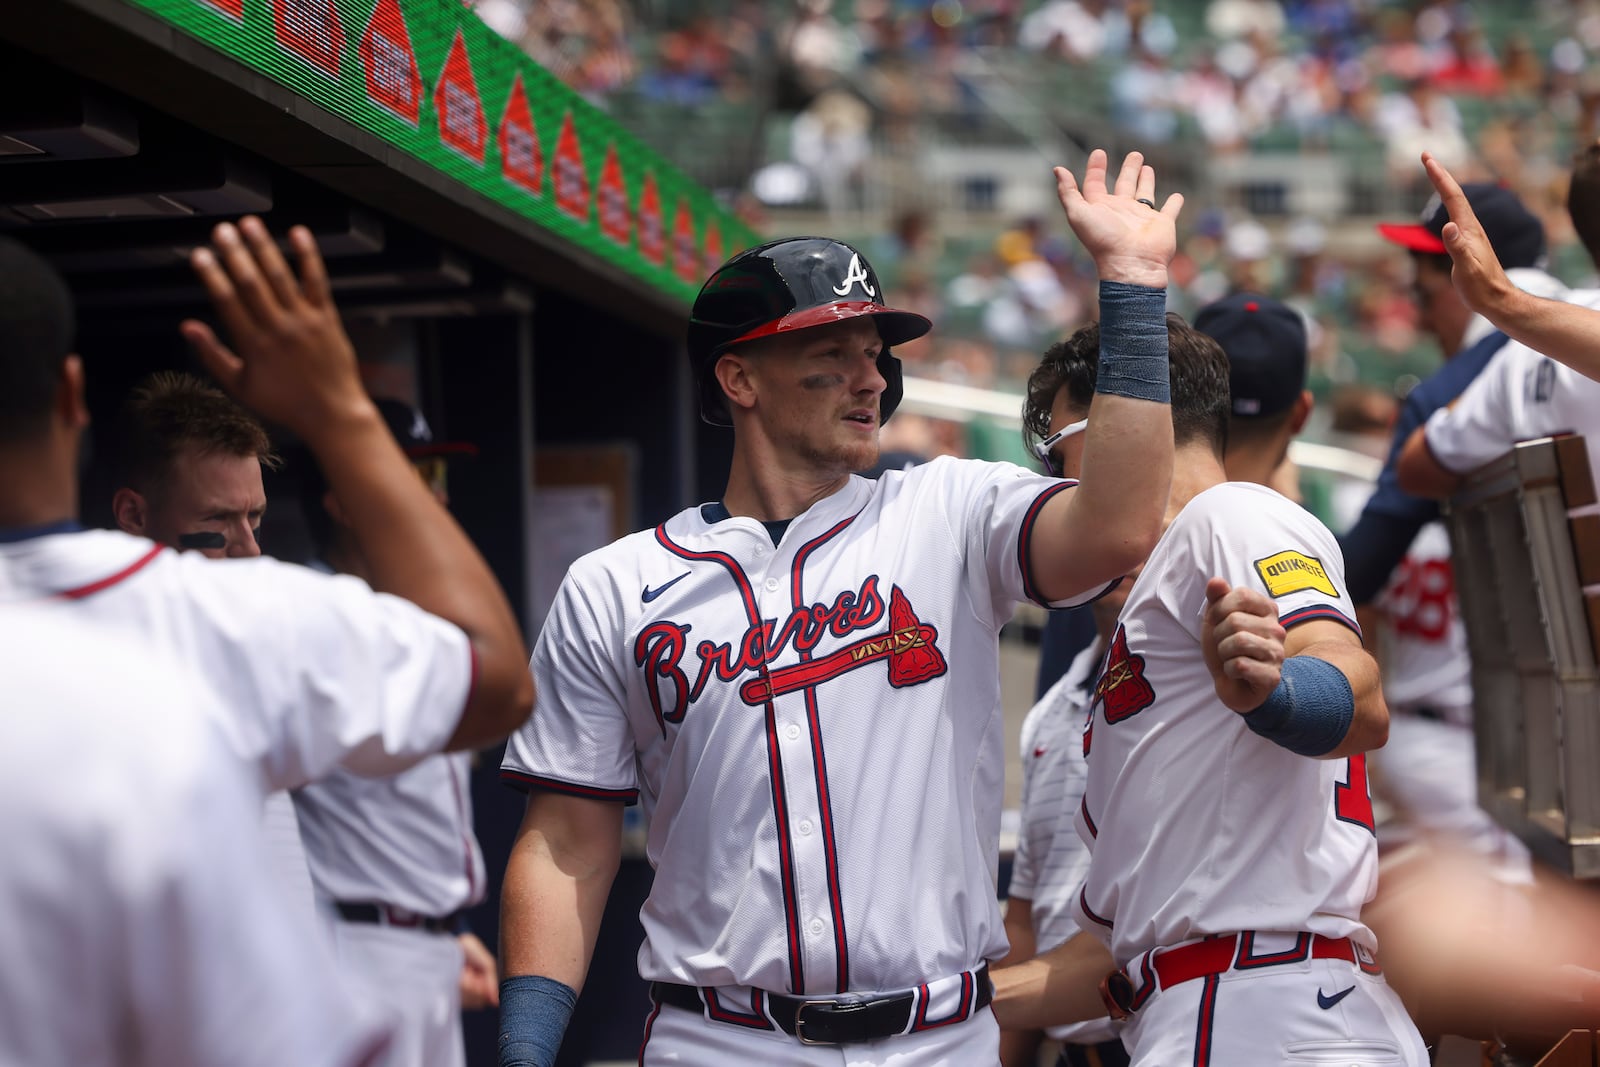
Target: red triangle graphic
x,y
713,247
615,221
521,158
685,257
389,63
652,234
310,29
568,174
460,108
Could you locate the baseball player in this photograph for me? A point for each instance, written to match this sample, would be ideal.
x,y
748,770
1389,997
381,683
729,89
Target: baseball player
x,y
139,923
394,861
1226,805
799,682
313,671
1523,394
189,476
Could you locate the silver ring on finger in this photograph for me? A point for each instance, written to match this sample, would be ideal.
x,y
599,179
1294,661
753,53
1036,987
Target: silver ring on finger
x,y
1148,203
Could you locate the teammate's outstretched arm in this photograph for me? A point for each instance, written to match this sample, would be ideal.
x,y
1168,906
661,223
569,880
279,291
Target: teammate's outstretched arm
x,y
291,362
1566,332
1105,527
1054,988
558,877
1313,689
1420,472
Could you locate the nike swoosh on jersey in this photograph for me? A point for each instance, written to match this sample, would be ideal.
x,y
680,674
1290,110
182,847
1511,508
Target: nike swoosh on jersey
x,y
650,594
1325,1002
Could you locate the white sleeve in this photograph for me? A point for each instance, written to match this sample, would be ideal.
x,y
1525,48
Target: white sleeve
x,y
320,671
220,971
993,508
1287,553
1481,425
579,742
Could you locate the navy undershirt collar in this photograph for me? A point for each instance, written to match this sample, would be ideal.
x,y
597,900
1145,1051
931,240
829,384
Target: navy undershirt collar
x,y
27,533
716,511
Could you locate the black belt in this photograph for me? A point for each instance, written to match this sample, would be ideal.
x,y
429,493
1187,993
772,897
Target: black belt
x,y
827,1022
387,915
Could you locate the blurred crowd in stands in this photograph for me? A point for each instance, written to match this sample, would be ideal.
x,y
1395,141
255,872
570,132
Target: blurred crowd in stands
x,y
832,90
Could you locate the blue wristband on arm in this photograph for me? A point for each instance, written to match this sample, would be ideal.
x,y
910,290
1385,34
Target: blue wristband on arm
x,y
534,1012
1310,711
1133,343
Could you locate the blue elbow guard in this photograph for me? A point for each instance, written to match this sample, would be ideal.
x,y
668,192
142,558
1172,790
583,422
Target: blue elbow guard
x,y
1133,343
1310,711
534,1012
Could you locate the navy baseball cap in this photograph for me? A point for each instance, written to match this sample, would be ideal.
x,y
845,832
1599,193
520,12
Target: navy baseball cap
x,y
1265,342
1514,232
411,429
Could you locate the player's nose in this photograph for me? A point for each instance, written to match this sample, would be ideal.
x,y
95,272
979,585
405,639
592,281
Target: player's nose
x,y
243,544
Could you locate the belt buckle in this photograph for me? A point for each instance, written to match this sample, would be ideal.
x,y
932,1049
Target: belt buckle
x,y
834,1008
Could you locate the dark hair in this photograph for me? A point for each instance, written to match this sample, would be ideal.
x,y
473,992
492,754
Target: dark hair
x,y
1198,374
1583,198
36,329
171,411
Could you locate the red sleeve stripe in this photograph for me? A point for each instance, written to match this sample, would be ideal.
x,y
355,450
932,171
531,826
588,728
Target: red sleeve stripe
x,y
1318,611
107,582
1024,551
527,782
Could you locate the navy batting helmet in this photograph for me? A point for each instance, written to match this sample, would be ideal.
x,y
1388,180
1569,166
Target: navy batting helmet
x,y
789,285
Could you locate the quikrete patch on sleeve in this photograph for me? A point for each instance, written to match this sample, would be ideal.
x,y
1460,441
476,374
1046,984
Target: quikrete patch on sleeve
x,y
1291,571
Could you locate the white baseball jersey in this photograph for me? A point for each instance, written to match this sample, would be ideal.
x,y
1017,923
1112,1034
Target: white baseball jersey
x,y
1520,395
405,840
1199,826
1051,860
315,671
1425,659
141,928
814,729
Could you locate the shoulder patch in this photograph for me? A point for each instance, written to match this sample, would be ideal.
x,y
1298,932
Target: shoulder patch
x,y
1291,571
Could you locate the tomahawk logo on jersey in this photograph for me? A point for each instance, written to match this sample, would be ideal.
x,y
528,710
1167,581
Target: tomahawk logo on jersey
x,y
1199,826
758,732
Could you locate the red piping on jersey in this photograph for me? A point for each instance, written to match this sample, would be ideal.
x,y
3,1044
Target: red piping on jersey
x,y
841,945
1026,533
774,766
1094,831
756,1020
1203,1027
1247,959
648,1024
1083,902
1318,611
106,583
526,781
963,1006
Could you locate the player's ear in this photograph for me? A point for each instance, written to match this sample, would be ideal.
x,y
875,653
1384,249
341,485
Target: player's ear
x,y
129,509
335,510
1302,411
71,409
733,373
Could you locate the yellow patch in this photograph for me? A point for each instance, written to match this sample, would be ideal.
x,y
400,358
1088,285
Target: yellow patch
x,y
1290,572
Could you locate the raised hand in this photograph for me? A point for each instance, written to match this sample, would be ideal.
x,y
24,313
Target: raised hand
x,y
290,360
1131,241
1243,644
1476,273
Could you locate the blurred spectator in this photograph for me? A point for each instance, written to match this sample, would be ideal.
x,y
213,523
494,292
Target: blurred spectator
x,y
1143,98
1417,118
830,140
1227,19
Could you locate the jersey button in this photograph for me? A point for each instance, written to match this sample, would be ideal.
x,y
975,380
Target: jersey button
x,y
816,927
772,585
805,826
792,732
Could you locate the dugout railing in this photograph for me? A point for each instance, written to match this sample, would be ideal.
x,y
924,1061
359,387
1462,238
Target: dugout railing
x,y
1526,544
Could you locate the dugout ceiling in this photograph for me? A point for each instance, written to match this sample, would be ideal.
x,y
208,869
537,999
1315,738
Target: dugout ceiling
x,y
443,171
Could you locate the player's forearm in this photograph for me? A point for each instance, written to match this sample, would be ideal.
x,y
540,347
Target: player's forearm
x,y
1420,473
1056,987
554,896
415,550
1020,1048
1569,333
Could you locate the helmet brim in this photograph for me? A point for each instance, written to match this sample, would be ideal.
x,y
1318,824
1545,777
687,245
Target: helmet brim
x,y
895,327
